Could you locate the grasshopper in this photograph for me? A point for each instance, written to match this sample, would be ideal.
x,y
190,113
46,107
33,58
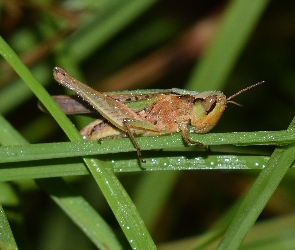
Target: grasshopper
x,y
150,113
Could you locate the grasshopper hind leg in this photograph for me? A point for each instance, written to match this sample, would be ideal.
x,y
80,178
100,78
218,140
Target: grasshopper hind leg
x,y
128,123
100,129
131,136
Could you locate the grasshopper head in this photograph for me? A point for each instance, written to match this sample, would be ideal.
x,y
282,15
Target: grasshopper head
x,y
209,106
207,110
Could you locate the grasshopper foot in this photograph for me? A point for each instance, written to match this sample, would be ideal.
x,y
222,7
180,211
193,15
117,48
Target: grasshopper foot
x,y
189,141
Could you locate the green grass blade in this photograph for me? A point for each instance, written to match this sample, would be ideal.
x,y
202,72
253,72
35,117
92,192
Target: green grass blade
x,y
239,21
260,193
6,237
73,166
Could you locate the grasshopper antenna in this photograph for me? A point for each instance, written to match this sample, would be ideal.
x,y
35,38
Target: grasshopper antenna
x,y
241,91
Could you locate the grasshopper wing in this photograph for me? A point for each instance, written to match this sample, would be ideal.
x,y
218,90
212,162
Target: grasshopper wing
x,y
70,105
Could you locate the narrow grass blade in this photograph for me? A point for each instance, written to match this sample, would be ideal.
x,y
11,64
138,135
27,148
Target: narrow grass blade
x,y
6,237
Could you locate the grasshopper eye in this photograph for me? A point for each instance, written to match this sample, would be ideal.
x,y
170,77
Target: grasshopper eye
x,y
209,103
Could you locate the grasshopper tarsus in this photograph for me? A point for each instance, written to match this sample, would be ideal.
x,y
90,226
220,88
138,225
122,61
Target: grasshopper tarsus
x,y
200,144
190,141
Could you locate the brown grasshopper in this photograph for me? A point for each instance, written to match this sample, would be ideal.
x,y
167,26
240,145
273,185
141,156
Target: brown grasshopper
x,y
151,113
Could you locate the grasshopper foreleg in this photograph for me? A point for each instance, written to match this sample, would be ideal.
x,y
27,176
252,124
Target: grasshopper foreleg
x,y
184,133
